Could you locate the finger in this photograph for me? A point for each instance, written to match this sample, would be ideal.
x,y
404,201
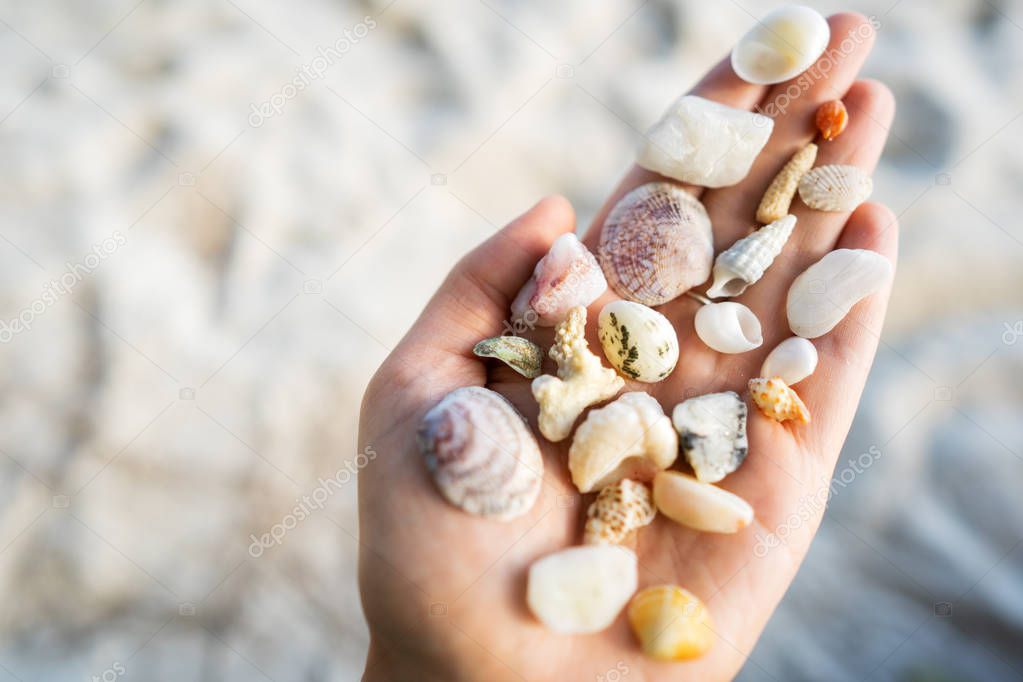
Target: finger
x,y
793,106
721,85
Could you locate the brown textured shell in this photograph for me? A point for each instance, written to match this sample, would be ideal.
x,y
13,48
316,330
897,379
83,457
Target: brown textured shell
x,y
618,510
656,244
778,197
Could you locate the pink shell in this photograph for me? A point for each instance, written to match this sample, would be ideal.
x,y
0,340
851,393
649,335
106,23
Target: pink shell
x,y
656,244
568,276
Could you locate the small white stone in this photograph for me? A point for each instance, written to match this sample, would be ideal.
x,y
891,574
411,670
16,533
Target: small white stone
x,y
792,360
820,297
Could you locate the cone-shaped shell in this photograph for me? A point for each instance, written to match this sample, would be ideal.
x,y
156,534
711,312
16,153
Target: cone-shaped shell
x,y
671,623
835,188
777,400
618,510
656,244
745,261
481,453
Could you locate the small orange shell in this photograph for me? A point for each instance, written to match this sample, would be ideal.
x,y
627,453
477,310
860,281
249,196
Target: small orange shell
x,y
671,623
777,400
832,117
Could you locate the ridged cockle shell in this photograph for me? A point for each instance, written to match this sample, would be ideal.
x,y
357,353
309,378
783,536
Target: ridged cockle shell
x,y
581,589
700,506
619,510
745,261
820,297
639,341
671,623
566,277
656,244
629,438
712,433
481,453
835,188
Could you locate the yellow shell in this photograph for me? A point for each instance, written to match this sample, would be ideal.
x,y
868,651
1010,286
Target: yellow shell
x,y
777,400
671,623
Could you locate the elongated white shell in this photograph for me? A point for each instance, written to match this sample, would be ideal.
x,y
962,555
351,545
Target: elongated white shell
x,y
712,433
656,244
820,297
792,360
566,277
745,261
782,45
581,589
728,327
638,341
835,188
701,506
703,142
481,453
629,438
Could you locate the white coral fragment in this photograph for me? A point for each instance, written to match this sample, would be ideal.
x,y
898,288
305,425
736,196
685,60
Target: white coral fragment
x,y
582,380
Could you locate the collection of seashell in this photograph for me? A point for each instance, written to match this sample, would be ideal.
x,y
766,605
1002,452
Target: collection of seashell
x,y
656,245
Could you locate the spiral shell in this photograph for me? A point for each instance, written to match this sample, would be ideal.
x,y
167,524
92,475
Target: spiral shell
x,y
481,453
656,244
835,188
777,400
671,623
618,510
745,261
728,327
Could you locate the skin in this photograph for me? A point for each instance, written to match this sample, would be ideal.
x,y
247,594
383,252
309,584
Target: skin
x,y
444,592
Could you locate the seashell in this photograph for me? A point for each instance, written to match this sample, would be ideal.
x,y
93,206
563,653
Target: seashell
x,y
835,188
782,45
481,453
712,433
728,327
820,297
777,400
831,119
745,261
522,355
792,360
618,510
671,623
638,341
700,506
581,589
566,277
777,199
582,380
656,244
629,438
703,142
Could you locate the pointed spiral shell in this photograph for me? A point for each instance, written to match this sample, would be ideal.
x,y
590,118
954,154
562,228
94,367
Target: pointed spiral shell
x,y
656,244
745,261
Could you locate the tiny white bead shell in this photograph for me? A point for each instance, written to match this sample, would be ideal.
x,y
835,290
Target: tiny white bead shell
x,y
728,327
638,341
792,360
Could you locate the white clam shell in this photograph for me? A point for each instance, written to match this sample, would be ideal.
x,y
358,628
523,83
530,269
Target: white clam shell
x,y
701,506
656,244
703,142
820,297
712,433
792,360
745,261
481,453
581,589
566,277
629,438
728,327
638,341
782,45
835,188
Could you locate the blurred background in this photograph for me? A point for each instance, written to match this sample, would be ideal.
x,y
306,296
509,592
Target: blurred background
x,y
220,215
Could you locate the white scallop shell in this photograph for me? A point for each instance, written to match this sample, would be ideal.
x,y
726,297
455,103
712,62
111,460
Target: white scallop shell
x,y
728,327
638,341
820,297
835,188
581,589
792,360
745,261
481,453
656,244
782,45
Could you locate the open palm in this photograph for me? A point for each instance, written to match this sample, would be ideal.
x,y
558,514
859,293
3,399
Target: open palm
x,y
444,592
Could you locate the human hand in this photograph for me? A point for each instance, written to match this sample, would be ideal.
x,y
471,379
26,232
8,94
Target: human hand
x,y
418,551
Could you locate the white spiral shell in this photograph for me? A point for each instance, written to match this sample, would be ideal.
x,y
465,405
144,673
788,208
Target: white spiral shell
x,y
481,453
656,244
728,327
745,261
835,188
